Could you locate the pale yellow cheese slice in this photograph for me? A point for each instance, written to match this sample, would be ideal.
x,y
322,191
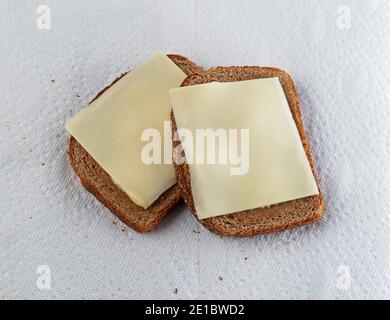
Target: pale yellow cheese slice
x,y
278,169
110,128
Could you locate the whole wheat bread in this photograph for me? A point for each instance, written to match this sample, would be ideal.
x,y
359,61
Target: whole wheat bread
x,y
100,184
261,220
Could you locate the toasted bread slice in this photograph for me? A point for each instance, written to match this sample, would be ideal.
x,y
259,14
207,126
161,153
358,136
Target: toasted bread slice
x,y
100,184
261,220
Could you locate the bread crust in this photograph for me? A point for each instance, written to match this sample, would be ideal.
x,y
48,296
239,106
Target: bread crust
x,y
261,220
100,184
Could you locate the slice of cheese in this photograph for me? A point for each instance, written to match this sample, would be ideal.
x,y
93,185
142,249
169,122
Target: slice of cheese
x,y
110,128
278,169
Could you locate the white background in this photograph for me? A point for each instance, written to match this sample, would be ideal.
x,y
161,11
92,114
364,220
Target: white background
x,y
47,218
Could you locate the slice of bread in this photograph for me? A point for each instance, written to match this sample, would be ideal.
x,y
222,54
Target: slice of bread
x,y
261,220
99,183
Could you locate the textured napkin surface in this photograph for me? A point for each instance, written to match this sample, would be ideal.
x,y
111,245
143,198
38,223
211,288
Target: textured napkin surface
x,y
338,54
